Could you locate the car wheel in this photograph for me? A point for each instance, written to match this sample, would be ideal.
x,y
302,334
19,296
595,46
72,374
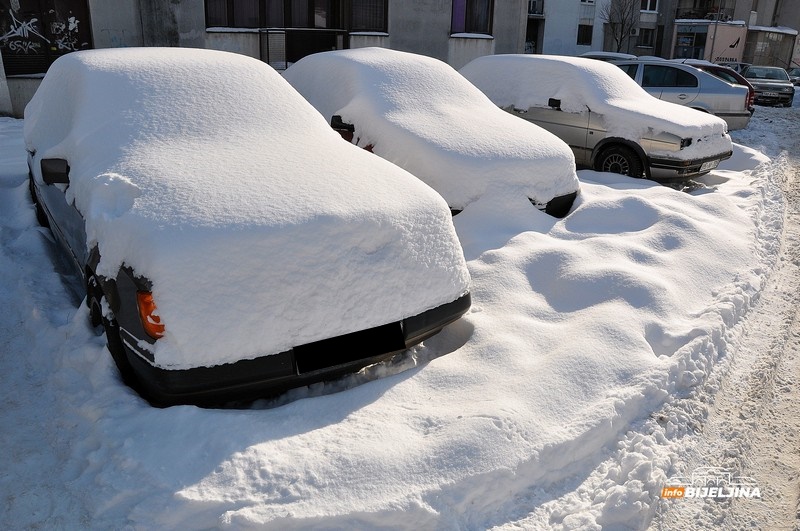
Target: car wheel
x,y
620,159
94,298
41,217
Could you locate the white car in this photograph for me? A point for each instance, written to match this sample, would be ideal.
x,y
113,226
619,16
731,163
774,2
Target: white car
x,y
422,115
610,123
230,243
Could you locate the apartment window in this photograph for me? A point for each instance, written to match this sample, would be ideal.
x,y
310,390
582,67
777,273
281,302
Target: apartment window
x,y
585,35
368,15
472,16
233,13
646,38
649,5
273,13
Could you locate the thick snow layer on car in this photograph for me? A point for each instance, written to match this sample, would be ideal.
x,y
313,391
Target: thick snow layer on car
x,y
422,115
525,81
259,228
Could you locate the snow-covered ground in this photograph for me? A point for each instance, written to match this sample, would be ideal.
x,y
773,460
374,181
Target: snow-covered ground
x,y
553,403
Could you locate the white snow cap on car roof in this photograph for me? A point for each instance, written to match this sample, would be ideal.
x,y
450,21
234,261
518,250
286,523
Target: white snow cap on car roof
x,y
258,226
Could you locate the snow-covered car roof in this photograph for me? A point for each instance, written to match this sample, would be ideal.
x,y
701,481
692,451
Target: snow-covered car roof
x,y
258,227
419,113
524,80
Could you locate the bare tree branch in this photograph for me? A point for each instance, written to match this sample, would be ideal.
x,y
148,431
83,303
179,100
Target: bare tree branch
x,y
622,16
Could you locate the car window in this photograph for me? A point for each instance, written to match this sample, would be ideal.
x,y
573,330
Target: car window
x,y
630,70
725,76
766,73
666,76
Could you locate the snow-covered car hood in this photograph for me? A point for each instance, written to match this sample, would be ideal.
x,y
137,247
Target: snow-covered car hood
x,y
422,115
629,112
258,227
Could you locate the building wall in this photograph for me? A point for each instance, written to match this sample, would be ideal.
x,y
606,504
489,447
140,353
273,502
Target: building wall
x,y
561,28
116,25
420,26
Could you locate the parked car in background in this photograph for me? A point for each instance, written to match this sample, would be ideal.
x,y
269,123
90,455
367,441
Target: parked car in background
x,y
685,85
734,65
772,85
726,74
794,75
608,120
422,115
230,244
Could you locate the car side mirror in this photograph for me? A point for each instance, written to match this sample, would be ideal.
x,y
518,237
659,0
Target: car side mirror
x,y
554,103
345,129
55,171
337,123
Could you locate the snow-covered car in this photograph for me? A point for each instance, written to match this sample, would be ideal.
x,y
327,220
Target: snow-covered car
x,y
772,84
610,123
422,115
230,243
685,85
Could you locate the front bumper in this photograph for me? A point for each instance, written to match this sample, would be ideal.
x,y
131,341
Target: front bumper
x,y
773,98
302,365
662,168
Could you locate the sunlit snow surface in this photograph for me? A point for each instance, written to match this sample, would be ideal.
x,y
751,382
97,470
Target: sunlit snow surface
x,y
580,329
259,229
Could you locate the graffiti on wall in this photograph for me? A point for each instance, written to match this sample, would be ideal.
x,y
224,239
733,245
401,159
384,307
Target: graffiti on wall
x,y
34,33
66,36
24,36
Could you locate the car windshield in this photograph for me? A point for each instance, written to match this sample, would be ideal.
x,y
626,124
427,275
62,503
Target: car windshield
x,y
776,73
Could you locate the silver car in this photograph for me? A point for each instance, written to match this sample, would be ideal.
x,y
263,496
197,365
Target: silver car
x,y
610,123
684,85
772,84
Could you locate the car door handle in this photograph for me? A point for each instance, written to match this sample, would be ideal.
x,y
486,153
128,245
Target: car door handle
x,y
682,96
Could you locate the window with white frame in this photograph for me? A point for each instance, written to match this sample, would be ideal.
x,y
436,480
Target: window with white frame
x,y
649,5
472,16
646,38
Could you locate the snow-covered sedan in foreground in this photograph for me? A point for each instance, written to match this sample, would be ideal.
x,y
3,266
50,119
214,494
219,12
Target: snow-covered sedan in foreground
x,y
422,115
231,244
607,119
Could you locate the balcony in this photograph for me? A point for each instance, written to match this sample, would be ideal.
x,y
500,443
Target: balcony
x,y
711,13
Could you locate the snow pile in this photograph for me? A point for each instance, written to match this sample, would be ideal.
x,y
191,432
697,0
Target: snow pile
x,y
531,412
422,115
524,81
193,167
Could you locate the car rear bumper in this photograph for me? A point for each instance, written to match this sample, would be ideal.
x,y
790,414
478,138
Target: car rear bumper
x,y
302,365
736,120
662,168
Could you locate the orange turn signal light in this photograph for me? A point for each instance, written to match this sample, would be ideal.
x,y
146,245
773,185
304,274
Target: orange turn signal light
x,y
148,313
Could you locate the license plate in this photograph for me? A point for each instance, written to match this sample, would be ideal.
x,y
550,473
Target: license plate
x,y
710,165
770,94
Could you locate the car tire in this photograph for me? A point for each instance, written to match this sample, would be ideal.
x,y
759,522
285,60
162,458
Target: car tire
x,y
620,159
94,298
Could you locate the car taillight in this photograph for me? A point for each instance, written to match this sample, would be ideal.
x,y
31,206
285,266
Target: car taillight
x,y
148,313
751,98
